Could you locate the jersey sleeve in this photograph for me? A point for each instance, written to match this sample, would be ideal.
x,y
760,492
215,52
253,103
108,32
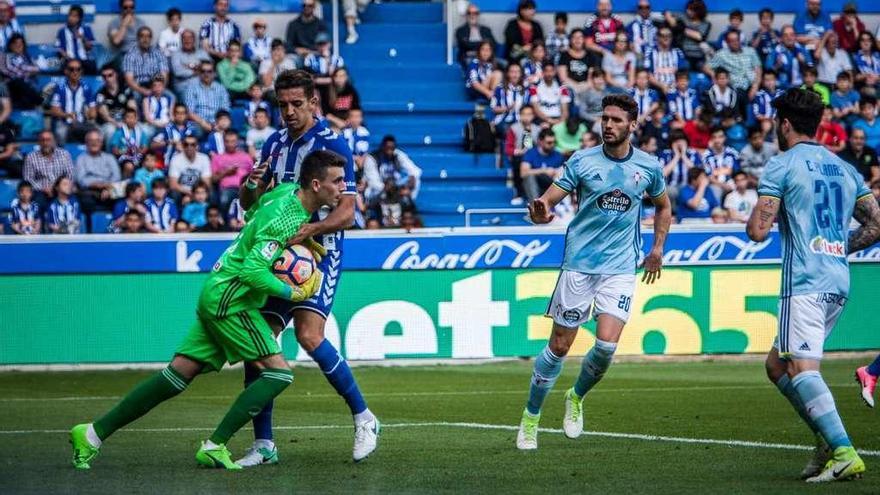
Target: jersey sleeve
x,y
657,187
268,246
773,180
569,180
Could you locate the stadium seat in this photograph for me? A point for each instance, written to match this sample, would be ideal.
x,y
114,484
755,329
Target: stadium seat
x,y
75,150
7,192
30,123
101,222
46,57
6,223
239,121
82,224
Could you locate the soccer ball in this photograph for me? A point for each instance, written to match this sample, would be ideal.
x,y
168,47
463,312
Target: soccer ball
x,y
295,266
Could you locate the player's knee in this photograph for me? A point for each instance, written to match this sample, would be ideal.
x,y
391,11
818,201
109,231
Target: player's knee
x,y
774,367
309,337
559,347
274,361
186,367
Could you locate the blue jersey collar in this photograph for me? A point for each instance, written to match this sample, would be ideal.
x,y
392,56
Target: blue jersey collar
x,y
618,160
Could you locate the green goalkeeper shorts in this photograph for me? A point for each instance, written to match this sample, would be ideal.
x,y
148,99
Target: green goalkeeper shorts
x,y
241,336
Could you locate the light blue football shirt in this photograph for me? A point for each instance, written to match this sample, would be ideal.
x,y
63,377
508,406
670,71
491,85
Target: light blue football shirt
x,y
605,236
818,192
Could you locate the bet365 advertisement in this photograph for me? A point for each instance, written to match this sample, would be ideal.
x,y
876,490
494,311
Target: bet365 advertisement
x,y
415,314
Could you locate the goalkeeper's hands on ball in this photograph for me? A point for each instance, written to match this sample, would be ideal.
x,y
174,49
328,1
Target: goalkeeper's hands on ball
x,y
299,293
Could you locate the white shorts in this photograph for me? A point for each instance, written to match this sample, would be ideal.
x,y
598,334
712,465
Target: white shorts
x,y
805,322
577,293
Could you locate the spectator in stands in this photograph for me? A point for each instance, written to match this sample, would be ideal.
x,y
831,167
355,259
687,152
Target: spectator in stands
x,y
62,216
663,62
754,155
845,100
590,101
541,165
181,227
132,223
205,97
470,35
132,202
811,24
112,100
188,168
522,31
17,66
26,218
75,40
549,99
483,74
811,82
696,200
342,97
699,131
869,122
157,107
788,59
521,137
658,127
256,102
830,133
218,31
351,9
723,100
646,97
302,31
96,172
124,30
229,168
508,98
258,46
867,60
261,131
574,64
734,25
740,202
196,211
648,145
389,205
848,27
144,62
862,157
762,109
10,158
831,60
214,221
8,24
278,62
642,31
742,64
600,30
162,213
557,41
169,140
185,62
129,141
692,33
720,162
766,37
390,163
236,75
214,142
684,103
170,37
322,64
358,137
533,64
720,216
73,106
568,135
148,172
620,64
677,162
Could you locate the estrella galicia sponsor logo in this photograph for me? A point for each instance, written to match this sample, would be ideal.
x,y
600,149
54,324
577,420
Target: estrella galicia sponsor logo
x,y
821,245
571,316
615,202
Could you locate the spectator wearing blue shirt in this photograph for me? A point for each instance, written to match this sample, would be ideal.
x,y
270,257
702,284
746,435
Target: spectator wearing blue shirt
x,y
696,200
766,37
133,201
483,75
157,107
789,59
684,102
541,165
129,141
161,211
867,61
508,98
8,24
25,211
762,109
357,136
869,122
391,164
677,162
664,61
258,46
811,24
642,31
148,172
735,20
217,31
647,98
205,97
75,40
845,100
73,107
62,217
196,211
720,162
143,63
169,140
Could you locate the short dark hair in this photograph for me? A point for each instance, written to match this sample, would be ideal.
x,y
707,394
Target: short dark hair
x,y
769,72
766,11
598,73
755,130
129,110
275,43
233,42
173,11
625,102
682,74
694,173
546,132
715,129
735,32
722,70
263,110
180,104
810,70
76,9
296,78
132,187
159,182
315,166
222,113
869,100
735,13
560,16
844,75
135,213
677,135
739,173
802,108
24,185
524,4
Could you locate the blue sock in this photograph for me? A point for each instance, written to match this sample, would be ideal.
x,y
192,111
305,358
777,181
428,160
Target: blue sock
x,y
339,375
874,368
594,366
819,404
547,369
785,387
263,420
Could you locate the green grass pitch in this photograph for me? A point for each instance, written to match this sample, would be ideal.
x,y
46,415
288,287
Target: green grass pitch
x,y
447,429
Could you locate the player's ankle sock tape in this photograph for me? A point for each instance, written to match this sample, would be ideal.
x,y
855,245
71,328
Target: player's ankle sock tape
x,y
140,400
819,404
787,389
251,401
874,368
263,420
548,366
594,366
339,375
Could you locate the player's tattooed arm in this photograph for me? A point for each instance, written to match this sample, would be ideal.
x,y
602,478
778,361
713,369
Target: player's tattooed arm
x,y
762,218
867,213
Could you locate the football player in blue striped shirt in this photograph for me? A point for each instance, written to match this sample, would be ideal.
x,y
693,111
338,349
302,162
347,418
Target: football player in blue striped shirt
x,y
814,195
684,102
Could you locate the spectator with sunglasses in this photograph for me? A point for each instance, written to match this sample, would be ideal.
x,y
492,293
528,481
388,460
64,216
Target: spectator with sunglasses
x,y
470,35
189,168
144,62
73,107
205,97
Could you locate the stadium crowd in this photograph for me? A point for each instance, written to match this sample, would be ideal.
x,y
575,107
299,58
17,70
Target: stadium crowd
x,y
704,103
175,124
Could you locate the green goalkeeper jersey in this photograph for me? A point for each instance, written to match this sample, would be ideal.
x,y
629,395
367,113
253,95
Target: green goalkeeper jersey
x,y
242,278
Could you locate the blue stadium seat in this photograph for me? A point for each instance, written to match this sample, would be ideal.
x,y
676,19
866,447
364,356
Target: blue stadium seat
x,y
7,192
46,57
51,11
82,224
75,150
6,223
30,123
101,222
239,121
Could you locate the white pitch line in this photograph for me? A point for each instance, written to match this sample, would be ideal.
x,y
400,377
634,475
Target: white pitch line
x,y
483,426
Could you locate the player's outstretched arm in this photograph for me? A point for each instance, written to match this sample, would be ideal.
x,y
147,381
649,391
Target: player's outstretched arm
x,y
662,221
762,218
541,209
867,213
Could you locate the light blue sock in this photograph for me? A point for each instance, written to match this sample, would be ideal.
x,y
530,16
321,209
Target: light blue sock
x,y
819,404
548,366
594,366
785,387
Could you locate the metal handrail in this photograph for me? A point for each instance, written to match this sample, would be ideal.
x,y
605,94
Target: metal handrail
x,y
490,211
335,18
448,16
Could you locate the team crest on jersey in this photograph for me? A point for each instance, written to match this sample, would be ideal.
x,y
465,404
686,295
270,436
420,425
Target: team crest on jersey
x,y
637,177
269,250
614,202
571,316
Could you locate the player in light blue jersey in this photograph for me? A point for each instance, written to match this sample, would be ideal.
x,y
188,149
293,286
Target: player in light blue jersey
x,y
603,248
280,161
813,194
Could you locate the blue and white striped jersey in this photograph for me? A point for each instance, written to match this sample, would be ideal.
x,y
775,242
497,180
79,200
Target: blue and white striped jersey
x,y
678,176
358,140
664,64
322,66
214,143
74,47
512,97
160,107
219,34
684,105
162,214
728,157
761,104
257,49
8,30
25,215
72,100
171,135
789,70
644,99
642,34
478,72
63,214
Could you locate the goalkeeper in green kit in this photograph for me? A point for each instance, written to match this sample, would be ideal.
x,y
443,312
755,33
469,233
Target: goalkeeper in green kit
x,y
229,327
